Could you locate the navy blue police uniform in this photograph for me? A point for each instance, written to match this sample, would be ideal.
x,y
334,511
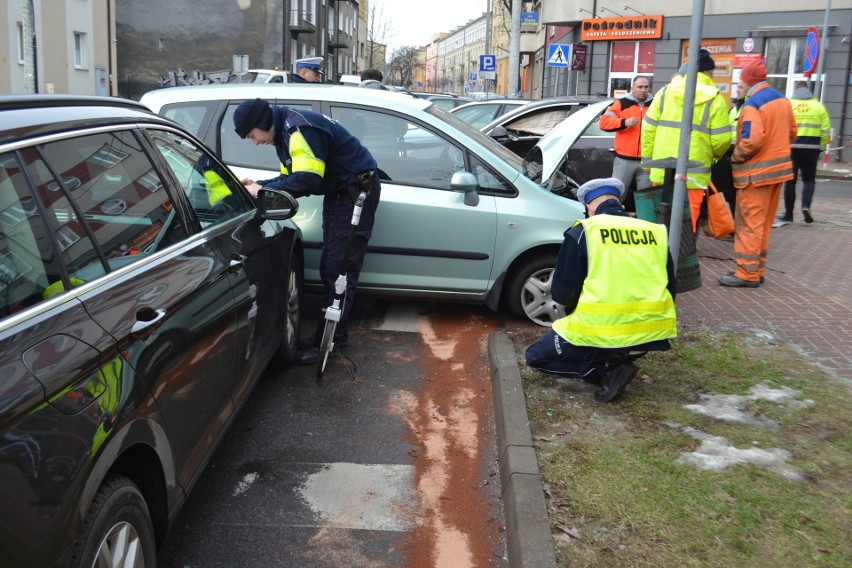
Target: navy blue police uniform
x,y
320,157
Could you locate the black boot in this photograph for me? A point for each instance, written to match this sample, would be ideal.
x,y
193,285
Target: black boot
x,y
615,381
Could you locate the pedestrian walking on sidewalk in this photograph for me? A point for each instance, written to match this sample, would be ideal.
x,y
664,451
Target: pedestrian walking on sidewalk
x,y
616,279
761,163
813,134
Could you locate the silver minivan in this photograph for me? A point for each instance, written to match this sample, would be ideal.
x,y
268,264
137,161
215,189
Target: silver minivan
x,y
461,218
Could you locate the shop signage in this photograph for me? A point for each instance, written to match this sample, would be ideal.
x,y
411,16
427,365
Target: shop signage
x,y
723,51
748,45
599,29
578,58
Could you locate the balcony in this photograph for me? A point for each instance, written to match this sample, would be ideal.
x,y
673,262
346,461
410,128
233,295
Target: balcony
x,y
301,22
338,38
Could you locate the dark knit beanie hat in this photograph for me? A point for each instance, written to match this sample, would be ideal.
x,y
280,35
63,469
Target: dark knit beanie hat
x,y
705,62
252,114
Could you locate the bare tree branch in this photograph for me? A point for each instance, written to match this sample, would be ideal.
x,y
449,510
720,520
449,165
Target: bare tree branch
x,y
378,34
404,62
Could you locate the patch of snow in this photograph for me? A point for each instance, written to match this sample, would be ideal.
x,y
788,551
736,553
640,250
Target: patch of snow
x,y
716,453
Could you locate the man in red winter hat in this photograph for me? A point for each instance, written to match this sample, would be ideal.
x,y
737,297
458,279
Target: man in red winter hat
x,y
761,164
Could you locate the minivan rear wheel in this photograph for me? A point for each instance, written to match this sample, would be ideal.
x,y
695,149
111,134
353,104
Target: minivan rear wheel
x,y
529,290
118,530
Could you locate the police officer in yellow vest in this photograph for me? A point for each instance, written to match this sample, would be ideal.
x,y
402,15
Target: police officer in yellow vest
x,y
616,279
812,136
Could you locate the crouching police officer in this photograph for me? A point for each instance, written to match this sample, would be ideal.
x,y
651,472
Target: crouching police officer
x,y
616,279
319,157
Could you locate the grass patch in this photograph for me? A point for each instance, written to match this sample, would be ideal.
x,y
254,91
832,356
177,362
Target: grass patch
x,y
617,495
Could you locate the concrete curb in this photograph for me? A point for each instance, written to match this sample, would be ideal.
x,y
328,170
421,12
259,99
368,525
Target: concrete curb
x,y
834,170
528,538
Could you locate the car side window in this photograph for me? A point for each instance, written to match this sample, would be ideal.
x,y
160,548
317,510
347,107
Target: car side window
x,y
191,116
594,129
406,153
213,193
110,209
28,263
488,180
238,152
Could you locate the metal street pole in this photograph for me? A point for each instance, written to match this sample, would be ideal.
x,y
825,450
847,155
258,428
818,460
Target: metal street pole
x,y
685,129
822,46
514,49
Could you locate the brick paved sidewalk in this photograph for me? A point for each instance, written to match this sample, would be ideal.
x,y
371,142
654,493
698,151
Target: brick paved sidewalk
x,y
805,300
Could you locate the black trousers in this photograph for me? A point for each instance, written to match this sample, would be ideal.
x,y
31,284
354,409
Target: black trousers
x,y
805,161
336,227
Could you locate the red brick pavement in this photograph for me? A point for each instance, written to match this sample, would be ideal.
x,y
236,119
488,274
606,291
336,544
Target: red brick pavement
x,y
807,297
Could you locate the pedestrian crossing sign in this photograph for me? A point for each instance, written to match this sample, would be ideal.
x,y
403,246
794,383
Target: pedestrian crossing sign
x,y
558,55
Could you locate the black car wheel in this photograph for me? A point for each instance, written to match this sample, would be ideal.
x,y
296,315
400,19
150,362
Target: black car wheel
x,y
529,291
118,530
293,318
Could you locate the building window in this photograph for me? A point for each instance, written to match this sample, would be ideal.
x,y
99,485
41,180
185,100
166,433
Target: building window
x,y
22,47
79,50
785,59
628,59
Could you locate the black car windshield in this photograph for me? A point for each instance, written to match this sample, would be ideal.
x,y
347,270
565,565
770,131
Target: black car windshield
x,y
483,139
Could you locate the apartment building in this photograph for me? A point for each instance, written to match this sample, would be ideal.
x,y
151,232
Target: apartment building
x,y
458,57
60,46
158,36
620,40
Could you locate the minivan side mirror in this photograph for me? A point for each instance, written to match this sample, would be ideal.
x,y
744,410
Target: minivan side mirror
x,y
465,182
275,204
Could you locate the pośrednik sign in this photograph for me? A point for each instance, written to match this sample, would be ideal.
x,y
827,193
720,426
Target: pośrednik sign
x,y
642,27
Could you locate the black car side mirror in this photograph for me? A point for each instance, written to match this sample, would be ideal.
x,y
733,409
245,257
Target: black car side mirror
x,y
499,134
275,204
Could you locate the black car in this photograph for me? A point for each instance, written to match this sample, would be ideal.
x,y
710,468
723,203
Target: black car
x,y
143,292
522,127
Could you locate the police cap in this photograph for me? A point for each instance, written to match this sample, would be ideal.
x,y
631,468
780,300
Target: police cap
x,y
601,186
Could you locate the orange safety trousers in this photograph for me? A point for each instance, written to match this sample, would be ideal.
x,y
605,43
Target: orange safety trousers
x,y
696,198
753,218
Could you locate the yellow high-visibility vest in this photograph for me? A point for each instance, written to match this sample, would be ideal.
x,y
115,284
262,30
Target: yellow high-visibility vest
x,y
624,301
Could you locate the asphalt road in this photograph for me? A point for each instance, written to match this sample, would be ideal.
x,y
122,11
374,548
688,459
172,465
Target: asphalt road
x,y
396,467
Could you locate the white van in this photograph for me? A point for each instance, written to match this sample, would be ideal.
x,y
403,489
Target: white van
x,y
262,76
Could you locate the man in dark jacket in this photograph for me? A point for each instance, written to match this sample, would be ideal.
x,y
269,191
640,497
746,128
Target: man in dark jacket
x,y
616,279
319,157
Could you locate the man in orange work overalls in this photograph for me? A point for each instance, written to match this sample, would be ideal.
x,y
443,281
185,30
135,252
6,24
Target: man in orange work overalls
x,y
761,164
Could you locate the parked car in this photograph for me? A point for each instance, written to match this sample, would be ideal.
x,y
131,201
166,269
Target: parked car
x,y
261,76
521,128
459,219
444,101
480,113
142,294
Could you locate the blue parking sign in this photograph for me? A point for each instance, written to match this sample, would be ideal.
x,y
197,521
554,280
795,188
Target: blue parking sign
x,y
488,63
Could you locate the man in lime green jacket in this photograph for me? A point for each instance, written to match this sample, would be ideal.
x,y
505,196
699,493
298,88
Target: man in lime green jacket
x,y
812,136
711,130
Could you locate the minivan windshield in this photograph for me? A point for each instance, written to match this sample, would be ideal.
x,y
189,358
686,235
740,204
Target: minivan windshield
x,y
492,144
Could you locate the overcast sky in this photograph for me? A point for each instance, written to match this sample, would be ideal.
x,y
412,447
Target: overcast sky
x,y
414,23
